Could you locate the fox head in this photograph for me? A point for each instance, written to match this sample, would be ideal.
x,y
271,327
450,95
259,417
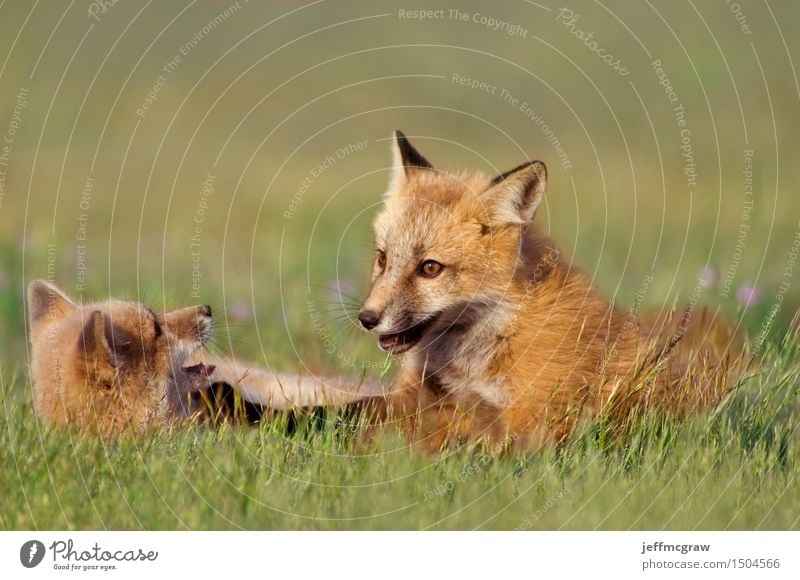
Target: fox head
x,y
444,244
105,366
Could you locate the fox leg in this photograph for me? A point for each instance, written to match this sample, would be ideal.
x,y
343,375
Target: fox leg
x,y
396,409
429,422
419,414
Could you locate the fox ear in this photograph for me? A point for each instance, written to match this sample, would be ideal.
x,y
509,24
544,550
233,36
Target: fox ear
x,y
405,161
516,194
101,340
45,301
93,337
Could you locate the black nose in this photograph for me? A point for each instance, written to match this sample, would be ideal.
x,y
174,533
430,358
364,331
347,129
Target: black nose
x,y
205,309
369,319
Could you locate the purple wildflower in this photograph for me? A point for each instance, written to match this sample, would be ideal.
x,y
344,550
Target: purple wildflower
x,y
748,295
240,310
709,276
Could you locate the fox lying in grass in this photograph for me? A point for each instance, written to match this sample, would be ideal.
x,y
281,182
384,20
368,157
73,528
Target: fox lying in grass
x,y
501,340
117,367
105,367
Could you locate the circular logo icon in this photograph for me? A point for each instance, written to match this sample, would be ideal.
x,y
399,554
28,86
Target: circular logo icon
x,y
31,553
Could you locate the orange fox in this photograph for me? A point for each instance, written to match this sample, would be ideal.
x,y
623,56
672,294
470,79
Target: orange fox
x,y
501,340
117,367
106,367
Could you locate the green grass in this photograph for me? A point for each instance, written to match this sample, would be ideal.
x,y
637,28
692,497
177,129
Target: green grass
x,y
282,287
736,469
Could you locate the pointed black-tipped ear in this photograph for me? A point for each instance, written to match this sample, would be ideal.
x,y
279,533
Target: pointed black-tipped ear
x,y
46,303
408,155
405,160
515,195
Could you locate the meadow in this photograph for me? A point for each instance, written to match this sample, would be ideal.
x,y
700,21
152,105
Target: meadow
x,y
235,153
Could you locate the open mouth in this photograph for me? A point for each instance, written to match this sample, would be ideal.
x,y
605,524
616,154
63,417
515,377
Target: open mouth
x,y
399,342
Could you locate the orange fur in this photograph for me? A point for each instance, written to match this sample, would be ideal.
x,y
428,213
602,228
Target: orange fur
x,y
507,343
116,367
107,367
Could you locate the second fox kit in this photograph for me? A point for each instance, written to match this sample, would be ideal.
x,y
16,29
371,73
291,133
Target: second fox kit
x,y
116,367
107,367
501,339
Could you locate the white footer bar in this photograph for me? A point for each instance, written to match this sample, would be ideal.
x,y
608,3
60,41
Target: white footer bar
x,y
388,555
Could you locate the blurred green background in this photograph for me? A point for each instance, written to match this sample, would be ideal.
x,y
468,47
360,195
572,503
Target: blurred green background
x,y
288,107
234,153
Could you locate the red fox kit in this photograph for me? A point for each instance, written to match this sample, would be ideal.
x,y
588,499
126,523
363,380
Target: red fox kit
x,y
117,366
106,367
501,339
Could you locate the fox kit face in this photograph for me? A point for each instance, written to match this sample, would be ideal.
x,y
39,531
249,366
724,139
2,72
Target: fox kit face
x,y
445,244
105,366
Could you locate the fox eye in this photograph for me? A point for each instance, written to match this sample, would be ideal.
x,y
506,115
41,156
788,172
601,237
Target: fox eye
x,y
380,258
431,268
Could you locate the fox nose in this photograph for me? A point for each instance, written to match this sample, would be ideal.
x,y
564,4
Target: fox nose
x,y
369,319
205,310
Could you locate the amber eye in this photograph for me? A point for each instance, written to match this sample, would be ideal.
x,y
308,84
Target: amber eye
x,y
430,268
380,259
